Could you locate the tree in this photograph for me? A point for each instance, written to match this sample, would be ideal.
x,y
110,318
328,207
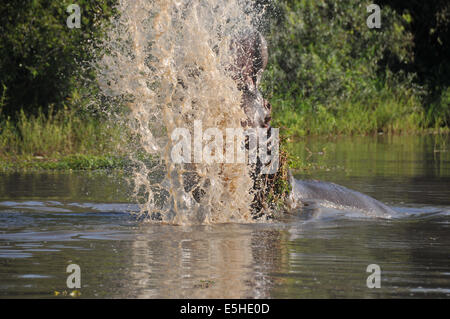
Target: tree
x,y
42,60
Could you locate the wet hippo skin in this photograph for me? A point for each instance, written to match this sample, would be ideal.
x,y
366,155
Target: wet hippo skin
x,y
251,60
324,194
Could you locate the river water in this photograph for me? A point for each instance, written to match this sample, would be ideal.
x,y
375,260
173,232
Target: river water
x,y
49,220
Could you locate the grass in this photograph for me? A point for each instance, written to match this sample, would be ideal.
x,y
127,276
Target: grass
x,y
65,140
69,162
387,112
61,140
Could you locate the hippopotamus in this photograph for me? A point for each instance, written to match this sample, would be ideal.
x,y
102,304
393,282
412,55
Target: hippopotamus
x,y
251,56
324,194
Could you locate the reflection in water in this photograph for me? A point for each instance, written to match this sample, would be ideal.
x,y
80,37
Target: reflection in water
x,y
228,261
397,170
48,221
298,258
68,186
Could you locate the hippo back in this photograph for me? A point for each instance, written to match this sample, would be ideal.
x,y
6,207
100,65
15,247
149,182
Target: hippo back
x,y
331,195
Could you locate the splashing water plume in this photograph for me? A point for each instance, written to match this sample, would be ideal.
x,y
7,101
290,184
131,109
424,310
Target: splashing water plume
x,y
169,59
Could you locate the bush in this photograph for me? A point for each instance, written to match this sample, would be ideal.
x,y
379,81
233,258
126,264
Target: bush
x,y
332,71
42,60
323,50
438,113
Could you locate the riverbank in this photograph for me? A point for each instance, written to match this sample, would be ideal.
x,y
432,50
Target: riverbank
x,y
67,141
386,113
63,140
68,162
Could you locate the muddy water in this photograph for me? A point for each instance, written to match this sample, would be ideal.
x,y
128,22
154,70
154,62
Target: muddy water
x,y
51,220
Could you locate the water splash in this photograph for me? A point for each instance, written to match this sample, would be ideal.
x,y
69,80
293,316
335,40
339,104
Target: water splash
x,y
169,61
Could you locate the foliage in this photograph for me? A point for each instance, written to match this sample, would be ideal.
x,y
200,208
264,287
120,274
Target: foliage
x,y
68,162
64,133
429,22
323,50
43,61
329,73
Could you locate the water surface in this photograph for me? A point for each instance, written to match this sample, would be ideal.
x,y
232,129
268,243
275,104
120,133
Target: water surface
x,y
51,220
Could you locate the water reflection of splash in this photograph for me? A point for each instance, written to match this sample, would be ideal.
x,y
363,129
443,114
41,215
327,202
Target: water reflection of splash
x,y
170,61
224,261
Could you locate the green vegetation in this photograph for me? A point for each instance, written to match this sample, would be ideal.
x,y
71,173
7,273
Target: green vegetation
x,y
43,63
63,133
387,113
328,74
66,140
46,85
70,162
